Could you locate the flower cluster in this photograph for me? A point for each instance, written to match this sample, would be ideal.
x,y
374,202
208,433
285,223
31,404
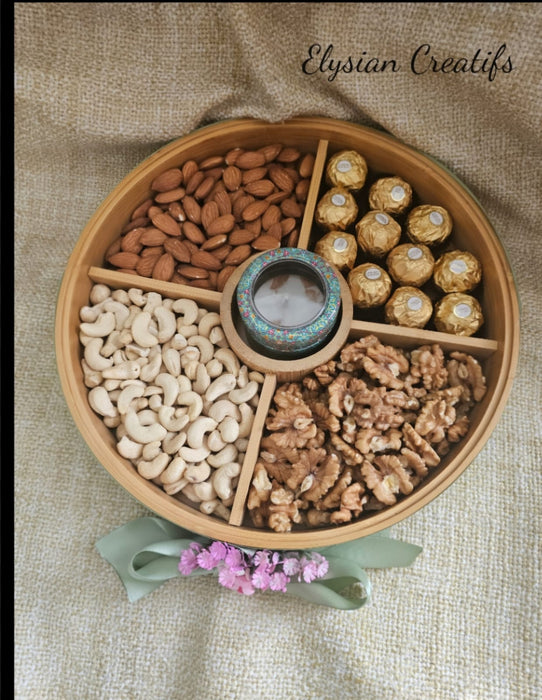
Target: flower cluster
x,y
246,572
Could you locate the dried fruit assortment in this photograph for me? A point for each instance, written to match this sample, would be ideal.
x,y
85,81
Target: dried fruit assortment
x,y
382,240
204,218
360,432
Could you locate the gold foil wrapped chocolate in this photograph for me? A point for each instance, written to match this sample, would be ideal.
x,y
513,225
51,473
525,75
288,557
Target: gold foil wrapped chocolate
x,y
458,313
429,224
346,169
338,248
457,271
377,233
410,264
391,194
337,209
408,306
370,285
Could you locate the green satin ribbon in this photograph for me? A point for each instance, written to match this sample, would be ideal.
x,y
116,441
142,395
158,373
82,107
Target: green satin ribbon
x,y
145,553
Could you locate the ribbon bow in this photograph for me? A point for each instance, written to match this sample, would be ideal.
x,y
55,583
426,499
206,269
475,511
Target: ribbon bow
x,y
146,552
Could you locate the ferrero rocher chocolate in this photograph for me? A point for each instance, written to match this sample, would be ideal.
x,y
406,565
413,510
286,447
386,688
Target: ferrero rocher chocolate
x,y
408,306
377,233
391,194
370,285
429,224
457,313
338,248
410,264
337,209
346,169
457,271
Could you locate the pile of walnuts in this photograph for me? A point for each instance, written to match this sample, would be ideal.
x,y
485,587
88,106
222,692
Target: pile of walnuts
x,y
359,432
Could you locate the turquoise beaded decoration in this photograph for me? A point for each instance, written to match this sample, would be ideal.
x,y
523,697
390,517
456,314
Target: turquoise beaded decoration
x,y
291,341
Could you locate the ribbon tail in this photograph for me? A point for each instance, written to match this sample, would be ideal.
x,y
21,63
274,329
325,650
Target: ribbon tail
x,y
375,552
345,587
145,553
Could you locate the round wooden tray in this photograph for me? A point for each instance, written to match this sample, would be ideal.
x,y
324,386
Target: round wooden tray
x,y
496,346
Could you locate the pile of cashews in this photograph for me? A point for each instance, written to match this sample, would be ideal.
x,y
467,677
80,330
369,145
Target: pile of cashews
x,y
162,376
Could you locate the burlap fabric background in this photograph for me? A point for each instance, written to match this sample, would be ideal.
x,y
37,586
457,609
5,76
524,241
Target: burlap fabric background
x,y
99,86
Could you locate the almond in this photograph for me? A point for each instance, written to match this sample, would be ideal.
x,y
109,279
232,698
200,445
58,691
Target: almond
x,y
271,151
238,255
271,215
204,188
125,260
166,223
170,195
152,236
192,209
255,209
192,247
293,238
146,265
288,154
112,249
254,174
178,249
302,190
265,242
193,233
287,225
275,230
179,279
223,202
194,182
211,162
131,242
260,188
205,260
240,203
222,224
231,156
176,211
254,226
141,210
232,178
136,223
241,236
209,212
250,159
164,268
188,169
155,249
223,277
168,180
277,197
281,178
306,165
214,242
201,283
222,252
290,207
193,273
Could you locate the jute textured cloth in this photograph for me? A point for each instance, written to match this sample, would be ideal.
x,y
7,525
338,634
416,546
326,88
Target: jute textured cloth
x,y
100,86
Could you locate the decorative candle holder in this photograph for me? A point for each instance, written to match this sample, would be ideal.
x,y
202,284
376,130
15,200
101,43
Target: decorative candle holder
x,y
288,351
289,302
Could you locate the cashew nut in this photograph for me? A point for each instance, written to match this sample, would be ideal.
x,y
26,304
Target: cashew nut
x,y
93,358
214,368
99,293
196,473
229,429
173,442
140,330
193,401
220,386
188,310
190,454
129,369
223,477
129,449
100,402
143,433
170,386
127,395
215,442
209,321
222,408
120,310
174,471
243,394
122,296
204,490
226,454
172,361
102,326
229,360
153,469
247,419
215,507
167,323
197,430
202,379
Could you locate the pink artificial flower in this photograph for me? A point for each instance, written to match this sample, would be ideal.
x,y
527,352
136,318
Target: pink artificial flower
x,y
218,550
235,560
260,578
291,566
206,560
227,578
278,581
309,571
244,585
188,562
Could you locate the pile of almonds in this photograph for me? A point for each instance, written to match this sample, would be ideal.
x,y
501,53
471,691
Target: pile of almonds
x,y
204,219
